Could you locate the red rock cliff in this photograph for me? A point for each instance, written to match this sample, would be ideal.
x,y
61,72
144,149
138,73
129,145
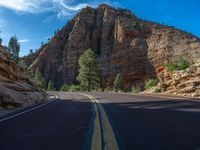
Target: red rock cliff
x,y
123,43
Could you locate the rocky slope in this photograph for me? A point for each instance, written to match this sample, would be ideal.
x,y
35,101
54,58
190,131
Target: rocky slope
x,y
15,87
122,42
182,83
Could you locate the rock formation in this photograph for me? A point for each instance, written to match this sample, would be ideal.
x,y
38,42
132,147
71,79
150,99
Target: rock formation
x,y
123,43
182,83
15,87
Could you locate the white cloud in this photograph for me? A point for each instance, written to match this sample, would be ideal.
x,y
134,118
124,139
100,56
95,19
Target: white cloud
x,y
73,8
2,23
23,40
61,7
31,6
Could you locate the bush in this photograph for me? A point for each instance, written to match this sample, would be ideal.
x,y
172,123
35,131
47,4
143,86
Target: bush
x,y
118,82
70,88
50,86
39,79
180,64
108,89
151,83
135,89
157,90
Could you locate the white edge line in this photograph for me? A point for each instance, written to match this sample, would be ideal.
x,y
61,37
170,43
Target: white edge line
x,y
26,111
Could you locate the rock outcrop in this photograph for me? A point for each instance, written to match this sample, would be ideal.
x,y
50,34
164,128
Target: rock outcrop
x,y
15,87
123,43
181,83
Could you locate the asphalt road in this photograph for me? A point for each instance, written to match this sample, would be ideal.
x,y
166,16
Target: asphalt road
x,y
150,123
138,122
61,125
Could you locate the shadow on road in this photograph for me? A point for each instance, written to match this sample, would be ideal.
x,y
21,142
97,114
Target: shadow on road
x,y
61,125
156,125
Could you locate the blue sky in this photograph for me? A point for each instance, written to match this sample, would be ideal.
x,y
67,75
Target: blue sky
x,y
34,21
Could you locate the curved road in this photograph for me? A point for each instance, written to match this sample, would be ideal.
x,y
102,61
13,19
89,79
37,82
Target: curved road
x,y
138,122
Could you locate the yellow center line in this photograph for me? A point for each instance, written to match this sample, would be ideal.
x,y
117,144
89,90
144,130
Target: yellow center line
x,y
105,131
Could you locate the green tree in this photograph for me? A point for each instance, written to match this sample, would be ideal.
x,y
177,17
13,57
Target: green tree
x,y
31,51
42,44
14,47
39,79
1,40
118,82
50,86
89,72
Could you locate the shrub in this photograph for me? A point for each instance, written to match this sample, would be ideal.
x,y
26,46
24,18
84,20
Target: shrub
x,y
151,83
180,64
70,88
50,86
39,79
118,82
157,90
135,89
108,89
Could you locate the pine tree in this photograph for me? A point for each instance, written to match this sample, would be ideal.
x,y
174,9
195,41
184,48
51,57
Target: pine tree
x,y
31,51
118,82
89,72
14,48
39,79
1,40
50,86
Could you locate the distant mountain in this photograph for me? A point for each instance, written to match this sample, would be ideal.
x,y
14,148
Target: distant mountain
x,y
123,43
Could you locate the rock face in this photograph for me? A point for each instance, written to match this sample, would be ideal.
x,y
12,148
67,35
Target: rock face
x,y
123,43
15,87
183,83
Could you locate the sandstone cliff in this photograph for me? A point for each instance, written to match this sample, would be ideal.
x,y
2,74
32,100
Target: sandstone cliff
x,y
15,87
122,42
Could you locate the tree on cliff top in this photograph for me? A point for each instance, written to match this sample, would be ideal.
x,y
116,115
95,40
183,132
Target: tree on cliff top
x,y
14,48
1,40
118,82
89,72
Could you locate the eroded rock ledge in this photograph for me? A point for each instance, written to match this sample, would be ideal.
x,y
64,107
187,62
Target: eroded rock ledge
x,y
16,89
181,83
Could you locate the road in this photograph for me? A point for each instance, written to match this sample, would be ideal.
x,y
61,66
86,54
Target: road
x,y
60,125
136,122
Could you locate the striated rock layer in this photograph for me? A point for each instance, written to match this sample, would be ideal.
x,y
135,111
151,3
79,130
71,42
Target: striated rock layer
x,y
15,87
122,42
182,83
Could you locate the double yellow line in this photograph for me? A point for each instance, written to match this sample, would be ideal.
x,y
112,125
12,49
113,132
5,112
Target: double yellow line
x,y
103,137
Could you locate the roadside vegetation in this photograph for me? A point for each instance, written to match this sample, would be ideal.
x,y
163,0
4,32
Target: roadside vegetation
x,y
135,89
109,89
151,83
39,79
157,90
179,64
71,88
118,82
89,72
50,86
